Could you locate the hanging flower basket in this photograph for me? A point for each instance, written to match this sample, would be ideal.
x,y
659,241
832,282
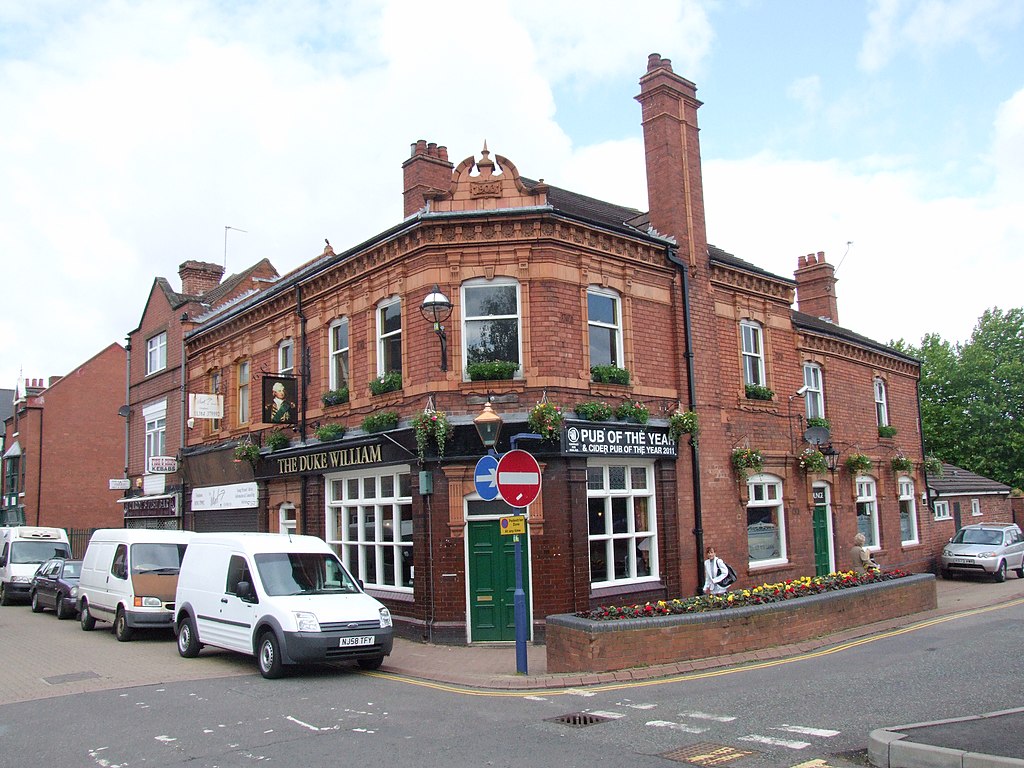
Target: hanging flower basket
x,y
901,463
813,462
858,462
431,428
683,423
747,460
546,420
381,421
933,466
247,450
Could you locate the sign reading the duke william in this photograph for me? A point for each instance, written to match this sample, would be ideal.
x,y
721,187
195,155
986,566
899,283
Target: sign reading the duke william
x,y
588,438
336,458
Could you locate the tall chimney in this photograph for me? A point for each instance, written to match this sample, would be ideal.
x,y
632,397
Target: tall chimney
x,y
675,193
426,173
816,287
198,277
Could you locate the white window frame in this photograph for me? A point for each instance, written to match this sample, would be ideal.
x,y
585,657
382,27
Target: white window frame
x,y
612,330
752,348
215,384
386,338
286,518
242,376
156,353
356,500
941,510
765,491
609,496
881,402
286,356
975,508
155,417
338,372
867,499
905,491
468,319
814,395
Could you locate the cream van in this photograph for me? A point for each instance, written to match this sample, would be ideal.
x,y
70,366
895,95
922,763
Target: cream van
x,y
23,548
282,598
129,576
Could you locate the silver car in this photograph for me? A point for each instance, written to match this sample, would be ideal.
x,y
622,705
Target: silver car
x,y
990,548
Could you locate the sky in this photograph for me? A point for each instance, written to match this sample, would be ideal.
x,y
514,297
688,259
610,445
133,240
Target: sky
x,y
887,133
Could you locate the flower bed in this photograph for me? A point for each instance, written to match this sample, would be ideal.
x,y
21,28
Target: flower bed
x,y
611,638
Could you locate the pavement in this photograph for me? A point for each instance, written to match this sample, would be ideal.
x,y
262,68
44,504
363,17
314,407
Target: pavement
x,y
77,662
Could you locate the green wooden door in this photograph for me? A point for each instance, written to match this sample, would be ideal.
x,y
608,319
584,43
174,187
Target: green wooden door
x,y
819,526
492,582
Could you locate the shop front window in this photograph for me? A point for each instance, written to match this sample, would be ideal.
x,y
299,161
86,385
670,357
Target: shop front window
x,y
766,521
622,522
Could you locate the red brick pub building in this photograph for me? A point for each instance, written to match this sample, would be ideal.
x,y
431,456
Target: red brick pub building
x,y
558,284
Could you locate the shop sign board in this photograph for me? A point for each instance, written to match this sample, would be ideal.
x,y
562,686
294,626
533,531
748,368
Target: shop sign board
x,y
234,496
639,441
162,465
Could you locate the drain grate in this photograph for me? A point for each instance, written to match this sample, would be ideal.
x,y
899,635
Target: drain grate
x,y
73,677
706,754
580,719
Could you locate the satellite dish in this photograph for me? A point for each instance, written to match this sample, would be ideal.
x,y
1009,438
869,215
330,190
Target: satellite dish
x,y
817,435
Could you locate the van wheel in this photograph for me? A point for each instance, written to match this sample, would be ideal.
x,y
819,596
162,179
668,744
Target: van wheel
x,y
188,643
37,607
122,631
268,654
63,609
88,622
371,663
5,596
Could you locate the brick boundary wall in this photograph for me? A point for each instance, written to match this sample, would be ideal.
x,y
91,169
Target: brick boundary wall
x,y
582,645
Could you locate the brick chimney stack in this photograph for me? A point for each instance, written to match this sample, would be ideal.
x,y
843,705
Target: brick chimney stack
x,y
816,287
426,173
675,193
198,277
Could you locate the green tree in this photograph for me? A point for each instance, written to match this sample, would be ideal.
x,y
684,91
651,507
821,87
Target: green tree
x,y
972,397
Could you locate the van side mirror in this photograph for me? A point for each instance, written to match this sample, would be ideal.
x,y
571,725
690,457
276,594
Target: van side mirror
x,y
245,592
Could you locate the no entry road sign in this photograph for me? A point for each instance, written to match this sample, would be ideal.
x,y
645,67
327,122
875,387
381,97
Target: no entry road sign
x,y
518,478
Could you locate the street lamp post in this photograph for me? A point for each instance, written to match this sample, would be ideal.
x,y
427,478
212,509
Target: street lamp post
x,y
436,308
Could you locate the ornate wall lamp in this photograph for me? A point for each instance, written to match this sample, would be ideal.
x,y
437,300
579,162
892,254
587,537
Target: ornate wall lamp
x,y
437,308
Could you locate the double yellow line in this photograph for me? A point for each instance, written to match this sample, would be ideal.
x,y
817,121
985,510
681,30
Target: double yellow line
x,y
467,691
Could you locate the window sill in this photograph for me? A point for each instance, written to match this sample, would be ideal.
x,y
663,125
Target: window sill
x,y
625,588
391,594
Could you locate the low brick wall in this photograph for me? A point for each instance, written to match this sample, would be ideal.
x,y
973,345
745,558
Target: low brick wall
x,y
582,645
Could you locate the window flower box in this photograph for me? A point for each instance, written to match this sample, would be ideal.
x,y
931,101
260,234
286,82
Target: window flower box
x,y
389,382
492,370
277,440
609,374
326,432
887,431
594,410
381,421
757,392
335,396
632,410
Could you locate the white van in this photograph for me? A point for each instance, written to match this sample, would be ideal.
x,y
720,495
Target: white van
x,y
23,548
282,598
129,576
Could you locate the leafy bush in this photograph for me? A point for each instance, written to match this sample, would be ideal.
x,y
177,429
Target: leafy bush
x,y
757,392
431,427
594,410
492,370
277,440
389,382
747,458
335,396
887,431
609,374
380,421
333,431
546,419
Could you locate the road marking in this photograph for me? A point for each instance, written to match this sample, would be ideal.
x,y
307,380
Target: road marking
x,y
675,726
706,716
609,715
803,730
819,763
773,742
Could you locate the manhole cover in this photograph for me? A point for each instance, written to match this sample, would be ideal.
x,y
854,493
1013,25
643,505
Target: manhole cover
x,y
579,719
706,753
72,677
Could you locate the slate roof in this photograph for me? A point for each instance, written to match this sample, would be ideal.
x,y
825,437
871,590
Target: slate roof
x,y
824,327
228,288
956,481
6,404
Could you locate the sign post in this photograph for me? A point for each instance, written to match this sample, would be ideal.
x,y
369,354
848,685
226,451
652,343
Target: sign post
x,y
518,475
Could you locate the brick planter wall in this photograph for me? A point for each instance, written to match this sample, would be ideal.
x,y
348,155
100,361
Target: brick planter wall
x,y
582,645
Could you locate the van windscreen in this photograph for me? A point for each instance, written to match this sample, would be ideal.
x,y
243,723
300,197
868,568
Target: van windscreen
x,y
38,551
303,573
157,558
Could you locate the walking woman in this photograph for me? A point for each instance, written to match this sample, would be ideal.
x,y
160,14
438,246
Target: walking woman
x,y
715,572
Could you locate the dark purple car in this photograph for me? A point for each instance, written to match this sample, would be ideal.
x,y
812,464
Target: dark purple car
x,y
55,585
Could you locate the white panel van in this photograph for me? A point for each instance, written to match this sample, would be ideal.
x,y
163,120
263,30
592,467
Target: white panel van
x,y
282,598
129,576
23,548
